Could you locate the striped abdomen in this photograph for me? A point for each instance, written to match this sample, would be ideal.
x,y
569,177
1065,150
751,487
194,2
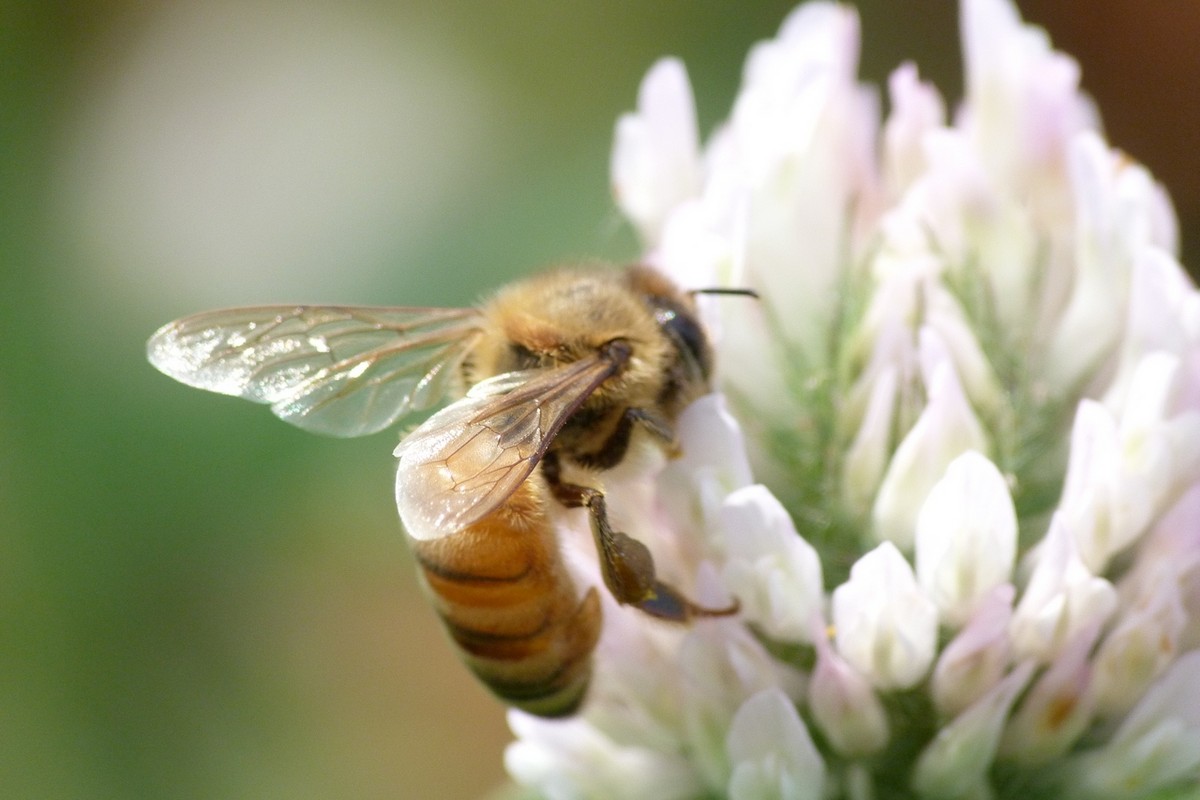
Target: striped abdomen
x,y
507,600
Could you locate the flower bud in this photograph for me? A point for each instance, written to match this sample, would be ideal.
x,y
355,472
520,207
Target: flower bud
x,y
844,705
1142,644
722,665
866,458
772,754
966,537
1158,744
713,464
946,428
954,764
773,571
974,660
1062,598
886,626
1057,709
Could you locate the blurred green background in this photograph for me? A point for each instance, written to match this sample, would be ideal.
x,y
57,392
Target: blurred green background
x,y
197,601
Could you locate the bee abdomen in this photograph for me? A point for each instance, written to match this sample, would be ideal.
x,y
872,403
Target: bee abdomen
x,y
509,604
545,674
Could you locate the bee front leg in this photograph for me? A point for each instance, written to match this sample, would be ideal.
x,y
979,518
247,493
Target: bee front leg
x,y
626,563
617,444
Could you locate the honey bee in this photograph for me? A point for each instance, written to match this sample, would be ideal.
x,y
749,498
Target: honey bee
x,y
561,372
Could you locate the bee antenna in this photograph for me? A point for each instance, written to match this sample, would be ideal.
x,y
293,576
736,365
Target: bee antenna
x,y
724,290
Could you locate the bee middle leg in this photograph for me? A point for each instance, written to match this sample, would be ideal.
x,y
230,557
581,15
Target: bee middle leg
x,y
626,563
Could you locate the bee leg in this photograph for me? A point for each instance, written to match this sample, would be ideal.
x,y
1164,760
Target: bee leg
x,y
655,423
626,563
658,427
617,443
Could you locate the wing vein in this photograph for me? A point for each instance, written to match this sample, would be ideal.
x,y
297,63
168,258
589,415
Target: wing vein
x,y
467,459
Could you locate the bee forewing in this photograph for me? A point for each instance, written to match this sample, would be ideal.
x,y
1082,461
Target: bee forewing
x,y
467,459
341,370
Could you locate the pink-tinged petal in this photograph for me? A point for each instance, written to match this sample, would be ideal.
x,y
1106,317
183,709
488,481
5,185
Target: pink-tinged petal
x,y
1054,713
1112,201
1164,312
800,143
844,704
1160,445
1176,695
1094,463
1023,104
1171,552
917,108
1062,598
975,660
1127,469
1143,643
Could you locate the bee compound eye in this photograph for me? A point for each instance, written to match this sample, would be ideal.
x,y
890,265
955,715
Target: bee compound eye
x,y
685,331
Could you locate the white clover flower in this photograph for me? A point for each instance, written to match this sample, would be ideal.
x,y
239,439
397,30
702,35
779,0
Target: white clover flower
x,y
966,537
772,753
844,705
952,468
773,571
886,626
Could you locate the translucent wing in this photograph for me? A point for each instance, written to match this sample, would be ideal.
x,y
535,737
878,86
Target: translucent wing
x,y
340,370
466,460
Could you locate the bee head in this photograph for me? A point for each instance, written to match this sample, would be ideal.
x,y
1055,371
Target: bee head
x,y
675,314
569,314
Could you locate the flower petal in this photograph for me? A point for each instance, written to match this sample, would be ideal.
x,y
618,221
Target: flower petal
x,y
1140,647
572,759
1022,98
772,754
1063,597
946,428
966,537
656,154
955,763
844,705
886,627
976,658
917,108
773,571
1054,713
720,666
713,463
1158,744
800,143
